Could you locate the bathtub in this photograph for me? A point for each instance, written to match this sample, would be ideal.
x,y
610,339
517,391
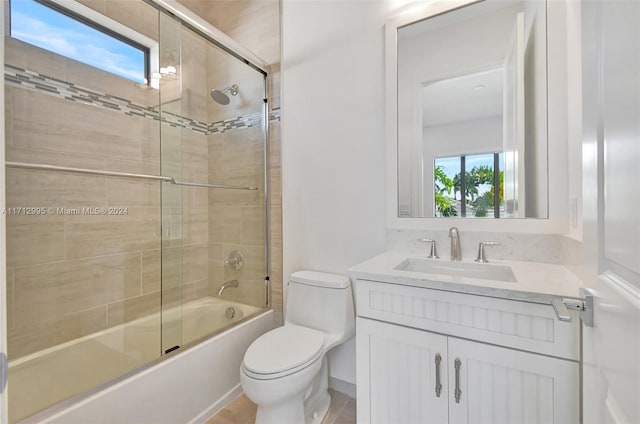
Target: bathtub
x,y
189,386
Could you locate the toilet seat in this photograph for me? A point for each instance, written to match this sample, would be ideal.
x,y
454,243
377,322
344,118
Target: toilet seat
x,y
283,351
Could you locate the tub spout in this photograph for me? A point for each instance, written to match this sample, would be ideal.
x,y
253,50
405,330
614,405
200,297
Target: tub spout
x,y
223,287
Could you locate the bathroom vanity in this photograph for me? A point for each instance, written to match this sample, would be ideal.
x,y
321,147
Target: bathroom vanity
x,y
440,341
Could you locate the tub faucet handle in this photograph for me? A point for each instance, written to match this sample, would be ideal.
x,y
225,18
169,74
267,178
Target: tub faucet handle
x,y
433,250
235,260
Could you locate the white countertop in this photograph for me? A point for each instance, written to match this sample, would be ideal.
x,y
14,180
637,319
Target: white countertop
x,y
535,282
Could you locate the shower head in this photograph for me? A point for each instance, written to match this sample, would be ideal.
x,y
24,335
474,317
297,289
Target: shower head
x,y
220,97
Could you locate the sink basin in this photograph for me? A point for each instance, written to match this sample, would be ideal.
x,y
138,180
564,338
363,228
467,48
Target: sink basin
x,y
459,269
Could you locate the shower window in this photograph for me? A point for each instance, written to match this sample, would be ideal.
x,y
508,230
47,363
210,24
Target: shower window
x,y
79,33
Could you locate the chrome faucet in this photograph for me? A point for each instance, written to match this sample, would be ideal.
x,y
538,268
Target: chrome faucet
x,y
456,253
223,287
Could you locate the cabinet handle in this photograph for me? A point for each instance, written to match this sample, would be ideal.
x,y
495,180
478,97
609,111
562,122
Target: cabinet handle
x,y
438,384
457,364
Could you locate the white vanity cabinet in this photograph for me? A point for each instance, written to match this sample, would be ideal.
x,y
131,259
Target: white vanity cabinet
x,y
510,361
397,371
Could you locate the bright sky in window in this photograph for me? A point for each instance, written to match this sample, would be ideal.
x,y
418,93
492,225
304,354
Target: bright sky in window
x,y
44,27
451,165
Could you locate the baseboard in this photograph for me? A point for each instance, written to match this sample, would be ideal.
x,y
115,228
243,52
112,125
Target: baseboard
x,y
342,386
208,413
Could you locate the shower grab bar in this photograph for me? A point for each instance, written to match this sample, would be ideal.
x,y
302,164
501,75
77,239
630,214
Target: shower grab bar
x,y
227,187
43,167
168,179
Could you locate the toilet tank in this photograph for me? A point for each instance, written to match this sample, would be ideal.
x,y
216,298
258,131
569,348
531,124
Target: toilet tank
x,y
323,302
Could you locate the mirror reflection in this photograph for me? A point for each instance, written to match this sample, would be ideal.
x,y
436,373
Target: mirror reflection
x,y
472,113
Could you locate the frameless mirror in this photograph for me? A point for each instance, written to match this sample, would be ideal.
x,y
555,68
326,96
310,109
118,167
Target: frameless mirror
x,y
472,112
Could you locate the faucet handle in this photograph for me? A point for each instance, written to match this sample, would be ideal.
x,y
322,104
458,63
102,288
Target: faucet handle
x,y
482,258
235,260
433,252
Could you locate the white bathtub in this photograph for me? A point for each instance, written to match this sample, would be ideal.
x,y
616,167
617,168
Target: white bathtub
x,y
189,386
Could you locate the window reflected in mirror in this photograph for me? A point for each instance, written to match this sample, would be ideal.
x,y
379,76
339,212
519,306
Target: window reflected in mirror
x,y
465,186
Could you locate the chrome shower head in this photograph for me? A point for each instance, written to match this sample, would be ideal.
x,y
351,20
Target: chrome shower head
x,y
220,97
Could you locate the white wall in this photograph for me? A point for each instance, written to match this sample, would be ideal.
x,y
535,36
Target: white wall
x,y
333,147
463,138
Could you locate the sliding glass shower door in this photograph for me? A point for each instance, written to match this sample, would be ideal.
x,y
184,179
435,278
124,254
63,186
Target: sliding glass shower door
x,y
135,182
213,141
83,262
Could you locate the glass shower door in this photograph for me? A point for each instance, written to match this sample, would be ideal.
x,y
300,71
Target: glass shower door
x,y
217,150
237,157
83,247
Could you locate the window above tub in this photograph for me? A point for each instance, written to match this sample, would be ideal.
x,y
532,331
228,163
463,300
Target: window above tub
x,y
78,32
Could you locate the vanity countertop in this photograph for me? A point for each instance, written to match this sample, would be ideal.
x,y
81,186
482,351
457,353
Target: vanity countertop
x,y
535,282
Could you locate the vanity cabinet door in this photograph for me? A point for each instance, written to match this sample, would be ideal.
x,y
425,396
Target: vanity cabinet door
x,y
498,385
397,374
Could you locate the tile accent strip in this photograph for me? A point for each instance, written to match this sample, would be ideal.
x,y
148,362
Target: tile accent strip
x,y
30,80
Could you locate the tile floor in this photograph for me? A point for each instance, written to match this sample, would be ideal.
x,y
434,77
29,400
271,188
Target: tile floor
x,y
342,410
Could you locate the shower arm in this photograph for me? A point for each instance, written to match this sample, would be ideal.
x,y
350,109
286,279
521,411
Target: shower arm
x,y
168,179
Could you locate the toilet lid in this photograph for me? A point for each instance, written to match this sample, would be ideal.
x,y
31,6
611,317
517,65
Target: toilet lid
x,y
282,349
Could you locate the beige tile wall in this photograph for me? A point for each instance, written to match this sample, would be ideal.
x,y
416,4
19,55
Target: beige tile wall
x,y
255,24
275,217
133,13
78,274
236,218
73,275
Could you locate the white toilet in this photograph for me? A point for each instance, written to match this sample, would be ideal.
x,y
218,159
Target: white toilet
x,y
285,370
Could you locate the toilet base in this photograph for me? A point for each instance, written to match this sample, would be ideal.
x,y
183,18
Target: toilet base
x,y
308,406
319,412
288,412
317,399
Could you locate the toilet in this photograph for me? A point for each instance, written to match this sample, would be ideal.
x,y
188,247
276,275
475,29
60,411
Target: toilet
x,y
285,370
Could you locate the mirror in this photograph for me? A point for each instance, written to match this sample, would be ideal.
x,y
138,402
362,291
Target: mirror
x,y
472,112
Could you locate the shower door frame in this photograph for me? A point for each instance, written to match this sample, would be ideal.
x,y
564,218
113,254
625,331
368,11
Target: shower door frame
x,y
218,38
